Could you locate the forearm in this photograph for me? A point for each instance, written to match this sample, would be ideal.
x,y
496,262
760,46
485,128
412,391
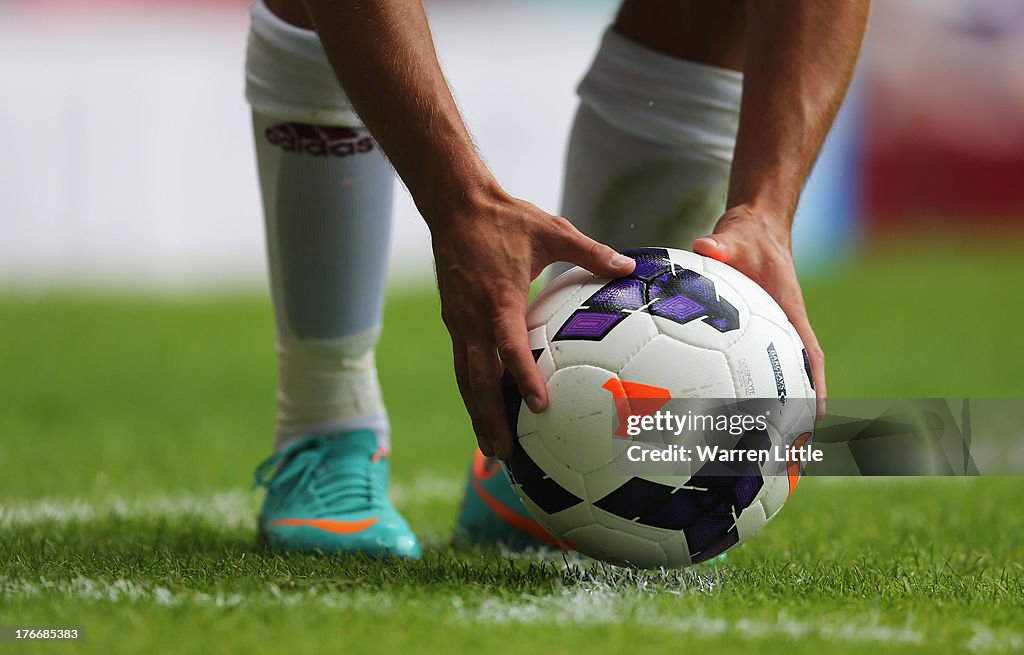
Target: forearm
x,y
384,57
799,60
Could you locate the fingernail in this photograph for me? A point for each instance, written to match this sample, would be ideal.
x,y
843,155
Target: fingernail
x,y
533,402
713,241
619,260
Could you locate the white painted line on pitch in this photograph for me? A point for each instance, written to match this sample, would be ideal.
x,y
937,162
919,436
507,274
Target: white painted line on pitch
x,y
234,508
604,607
584,606
229,509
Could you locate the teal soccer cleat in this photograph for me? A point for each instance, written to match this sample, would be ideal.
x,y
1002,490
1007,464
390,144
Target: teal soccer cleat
x,y
328,493
493,515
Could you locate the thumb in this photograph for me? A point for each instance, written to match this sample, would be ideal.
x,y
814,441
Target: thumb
x,y
714,246
599,259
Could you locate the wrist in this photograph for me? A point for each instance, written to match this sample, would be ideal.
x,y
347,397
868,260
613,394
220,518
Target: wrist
x,y
767,219
774,209
455,196
768,189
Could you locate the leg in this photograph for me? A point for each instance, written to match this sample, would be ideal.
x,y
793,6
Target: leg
x,y
648,165
709,33
327,194
651,146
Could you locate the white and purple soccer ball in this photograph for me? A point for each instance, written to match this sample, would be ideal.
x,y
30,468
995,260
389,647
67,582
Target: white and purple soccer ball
x,y
689,327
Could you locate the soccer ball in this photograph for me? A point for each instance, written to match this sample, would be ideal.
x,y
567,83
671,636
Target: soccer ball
x,y
681,326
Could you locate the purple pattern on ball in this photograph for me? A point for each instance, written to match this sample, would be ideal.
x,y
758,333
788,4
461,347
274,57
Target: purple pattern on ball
x,y
646,267
746,490
731,538
695,284
721,323
589,325
657,287
619,294
676,512
633,497
678,308
708,530
717,500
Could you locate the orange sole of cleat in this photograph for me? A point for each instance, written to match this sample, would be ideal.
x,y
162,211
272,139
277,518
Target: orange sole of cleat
x,y
517,521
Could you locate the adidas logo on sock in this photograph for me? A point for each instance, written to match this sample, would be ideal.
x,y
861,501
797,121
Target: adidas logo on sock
x,y
319,140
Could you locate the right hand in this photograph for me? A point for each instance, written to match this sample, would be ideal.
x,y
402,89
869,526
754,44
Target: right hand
x,y
487,251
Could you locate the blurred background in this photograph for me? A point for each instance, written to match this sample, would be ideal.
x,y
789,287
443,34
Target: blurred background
x,y
135,323
127,155
137,369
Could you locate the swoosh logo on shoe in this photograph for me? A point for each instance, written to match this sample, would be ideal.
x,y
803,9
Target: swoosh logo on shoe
x,y
327,525
517,521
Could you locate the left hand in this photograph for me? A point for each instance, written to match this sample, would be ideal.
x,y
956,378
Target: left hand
x,y
759,247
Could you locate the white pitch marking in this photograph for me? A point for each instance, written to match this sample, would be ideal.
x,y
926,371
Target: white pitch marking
x,y
587,605
231,509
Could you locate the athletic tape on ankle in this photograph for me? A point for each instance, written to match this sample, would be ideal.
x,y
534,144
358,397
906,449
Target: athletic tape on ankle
x,y
329,385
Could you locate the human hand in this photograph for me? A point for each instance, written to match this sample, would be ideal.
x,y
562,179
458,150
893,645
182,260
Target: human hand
x,y
759,247
487,252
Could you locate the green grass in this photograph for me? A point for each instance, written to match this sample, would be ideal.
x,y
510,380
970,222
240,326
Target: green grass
x,y
130,427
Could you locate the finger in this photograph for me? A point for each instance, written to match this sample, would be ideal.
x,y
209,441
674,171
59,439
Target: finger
x,y
462,379
817,359
515,353
726,242
726,247
714,247
814,355
573,246
791,300
485,387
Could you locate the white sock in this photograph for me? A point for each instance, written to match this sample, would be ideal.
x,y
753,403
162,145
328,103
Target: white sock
x,y
651,146
327,194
